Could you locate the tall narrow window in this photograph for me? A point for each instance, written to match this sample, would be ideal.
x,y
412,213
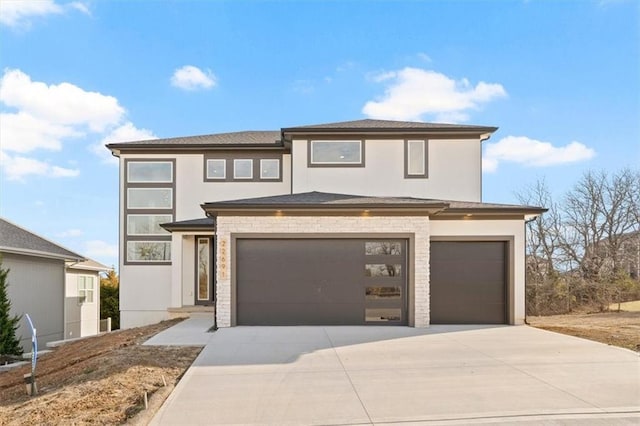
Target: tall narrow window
x,y
149,193
416,158
204,257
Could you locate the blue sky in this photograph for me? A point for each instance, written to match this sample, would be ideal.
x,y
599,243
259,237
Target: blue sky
x,y
561,79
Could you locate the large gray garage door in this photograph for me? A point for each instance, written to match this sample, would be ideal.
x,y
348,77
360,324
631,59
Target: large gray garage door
x,y
468,282
320,281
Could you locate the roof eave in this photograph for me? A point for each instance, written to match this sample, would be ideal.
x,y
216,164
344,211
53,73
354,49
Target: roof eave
x,y
216,208
37,253
481,130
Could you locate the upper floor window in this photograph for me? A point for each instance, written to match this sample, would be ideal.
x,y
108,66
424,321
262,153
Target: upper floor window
x,y
336,153
86,288
216,168
246,166
149,171
270,168
149,193
243,169
415,159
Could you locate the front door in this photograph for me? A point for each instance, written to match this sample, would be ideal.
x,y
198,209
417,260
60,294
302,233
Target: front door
x,y
204,294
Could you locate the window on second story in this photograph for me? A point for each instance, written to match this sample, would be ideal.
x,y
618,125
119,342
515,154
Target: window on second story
x,y
336,153
216,168
415,162
269,168
243,169
149,171
86,288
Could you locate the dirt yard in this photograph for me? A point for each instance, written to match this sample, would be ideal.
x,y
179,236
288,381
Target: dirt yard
x,y
613,328
99,380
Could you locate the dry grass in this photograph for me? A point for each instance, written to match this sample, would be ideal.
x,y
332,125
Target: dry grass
x,y
626,306
99,380
613,328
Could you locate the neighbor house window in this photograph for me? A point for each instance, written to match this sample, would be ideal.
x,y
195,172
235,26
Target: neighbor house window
x,y
270,168
416,159
216,168
86,288
147,224
149,171
243,169
148,251
149,192
336,153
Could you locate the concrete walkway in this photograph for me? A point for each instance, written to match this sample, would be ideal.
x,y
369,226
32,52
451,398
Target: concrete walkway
x,y
387,375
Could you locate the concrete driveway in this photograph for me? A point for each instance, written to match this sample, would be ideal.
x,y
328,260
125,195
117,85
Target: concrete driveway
x,y
385,375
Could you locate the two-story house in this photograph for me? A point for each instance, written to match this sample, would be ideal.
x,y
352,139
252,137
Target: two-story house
x,y
358,222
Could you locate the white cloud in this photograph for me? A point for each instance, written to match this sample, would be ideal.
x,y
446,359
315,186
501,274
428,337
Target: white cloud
x,y
412,93
21,132
63,104
70,233
98,248
193,78
124,133
19,13
46,116
18,167
79,6
532,153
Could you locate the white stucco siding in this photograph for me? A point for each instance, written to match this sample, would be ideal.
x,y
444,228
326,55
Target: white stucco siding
x,y
454,171
145,294
192,191
509,229
418,226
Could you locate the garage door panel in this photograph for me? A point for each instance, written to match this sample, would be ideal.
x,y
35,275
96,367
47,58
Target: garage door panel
x,y
313,281
468,282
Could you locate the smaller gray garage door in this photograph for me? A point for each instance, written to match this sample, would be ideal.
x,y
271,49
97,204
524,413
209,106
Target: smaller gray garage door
x,y
321,281
468,282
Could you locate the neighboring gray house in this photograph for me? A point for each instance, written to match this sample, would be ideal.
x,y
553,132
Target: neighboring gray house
x,y
357,222
36,281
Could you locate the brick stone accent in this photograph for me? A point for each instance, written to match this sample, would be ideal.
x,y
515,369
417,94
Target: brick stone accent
x,y
417,226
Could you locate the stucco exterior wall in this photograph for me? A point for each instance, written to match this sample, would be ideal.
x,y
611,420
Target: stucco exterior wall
x,y
454,171
229,226
513,229
36,287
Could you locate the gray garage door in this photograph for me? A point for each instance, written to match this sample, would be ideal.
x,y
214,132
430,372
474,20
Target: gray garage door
x,y
320,281
468,282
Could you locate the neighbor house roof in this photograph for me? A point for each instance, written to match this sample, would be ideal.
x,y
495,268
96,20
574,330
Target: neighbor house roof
x,y
329,201
15,239
386,125
88,265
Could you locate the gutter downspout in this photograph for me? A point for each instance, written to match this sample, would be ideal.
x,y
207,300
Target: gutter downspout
x,y
526,222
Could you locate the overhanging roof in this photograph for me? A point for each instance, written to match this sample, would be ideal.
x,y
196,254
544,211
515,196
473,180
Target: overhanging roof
x,y
204,224
387,126
322,201
15,239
